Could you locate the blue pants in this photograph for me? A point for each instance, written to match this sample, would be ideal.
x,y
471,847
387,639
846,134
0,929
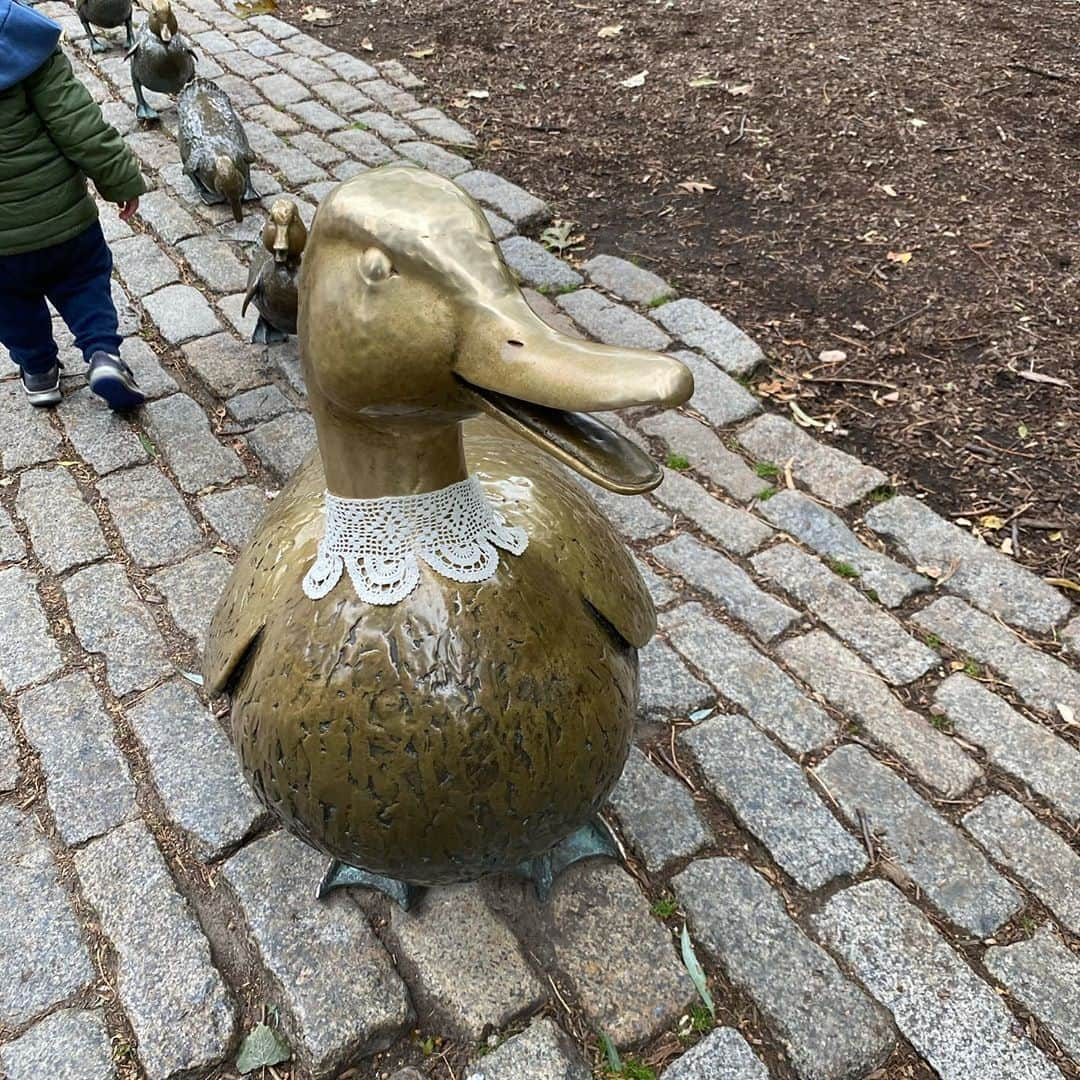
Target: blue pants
x,y
75,276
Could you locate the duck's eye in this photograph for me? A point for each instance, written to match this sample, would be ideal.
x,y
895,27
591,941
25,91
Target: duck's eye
x,y
375,265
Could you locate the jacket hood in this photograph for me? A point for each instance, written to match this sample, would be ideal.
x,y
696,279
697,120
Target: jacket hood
x,y
27,40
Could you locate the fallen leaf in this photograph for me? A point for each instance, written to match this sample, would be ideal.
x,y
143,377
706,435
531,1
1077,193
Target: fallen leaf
x,y
889,190
316,14
609,31
1007,546
915,122
479,95
929,571
365,44
832,356
1064,583
696,187
247,8
1067,713
902,257
992,522
704,80
1039,377
635,80
742,90
1022,431
1055,536
262,1047
693,968
802,419
422,54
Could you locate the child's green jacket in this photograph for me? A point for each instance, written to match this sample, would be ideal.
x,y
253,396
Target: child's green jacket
x,y
52,137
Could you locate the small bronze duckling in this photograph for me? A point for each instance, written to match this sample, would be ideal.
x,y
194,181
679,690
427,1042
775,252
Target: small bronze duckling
x,y
272,283
214,146
162,59
107,14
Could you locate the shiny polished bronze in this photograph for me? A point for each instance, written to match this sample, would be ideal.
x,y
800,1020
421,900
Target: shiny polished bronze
x,y
162,59
214,146
108,14
272,282
470,727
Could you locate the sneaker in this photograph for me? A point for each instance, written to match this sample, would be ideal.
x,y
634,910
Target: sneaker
x,y
112,380
43,387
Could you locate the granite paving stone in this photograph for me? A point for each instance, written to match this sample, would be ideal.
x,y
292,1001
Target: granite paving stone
x,y
215,263
668,690
729,585
1014,838
272,27
154,381
827,1026
182,434
343,97
317,148
262,403
391,128
826,533
190,589
611,322
618,958
516,205
43,958
101,437
153,522
389,96
532,262
180,1009
213,41
470,969
770,795
437,125
154,150
232,308
241,62
70,1044
978,572
181,313
195,769
88,786
315,115
340,993
830,474
9,758
26,436
1042,681
11,546
876,636
717,396
283,443
64,530
1044,976
657,813
396,71
437,160
748,679
349,67
363,146
733,529
306,45
952,1018
1026,750
851,686
947,868
28,652
659,587
282,89
627,281
706,453
143,265
285,360
110,619
1070,636
501,229
256,43
263,141
632,515
304,69
241,92
702,328
277,120
541,1050
722,1055
226,365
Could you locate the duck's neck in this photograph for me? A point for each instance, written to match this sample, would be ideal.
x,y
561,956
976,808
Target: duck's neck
x,y
369,461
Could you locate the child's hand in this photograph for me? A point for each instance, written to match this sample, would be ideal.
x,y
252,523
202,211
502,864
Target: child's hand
x,y
127,210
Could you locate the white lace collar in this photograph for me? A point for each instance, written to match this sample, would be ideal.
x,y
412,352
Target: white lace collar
x,y
454,530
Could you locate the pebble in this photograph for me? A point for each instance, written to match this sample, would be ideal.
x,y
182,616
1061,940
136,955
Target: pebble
x,y
852,687
181,432
627,281
101,437
827,1026
181,313
978,572
89,788
180,1009
733,529
877,637
532,262
748,679
722,1055
28,652
64,531
611,322
946,867
70,1044
770,795
700,327
952,1018
541,1050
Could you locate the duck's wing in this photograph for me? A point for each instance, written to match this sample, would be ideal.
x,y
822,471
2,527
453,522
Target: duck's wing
x,y
254,284
565,526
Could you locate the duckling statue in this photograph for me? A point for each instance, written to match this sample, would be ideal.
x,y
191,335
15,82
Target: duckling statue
x,y
214,146
162,59
272,280
431,642
107,14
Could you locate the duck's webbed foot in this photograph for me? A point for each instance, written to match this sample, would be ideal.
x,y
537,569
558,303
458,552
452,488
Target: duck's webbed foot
x,y
592,839
339,874
144,111
96,44
265,334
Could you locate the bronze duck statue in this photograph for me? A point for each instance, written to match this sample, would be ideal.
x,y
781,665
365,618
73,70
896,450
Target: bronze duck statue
x,y
472,714
162,59
214,146
272,281
107,14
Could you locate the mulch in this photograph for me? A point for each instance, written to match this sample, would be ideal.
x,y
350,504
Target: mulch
x,y
884,196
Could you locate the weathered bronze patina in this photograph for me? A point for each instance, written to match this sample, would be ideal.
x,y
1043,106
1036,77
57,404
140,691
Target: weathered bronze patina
x,y
214,146
272,282
162,59
469,727
108,14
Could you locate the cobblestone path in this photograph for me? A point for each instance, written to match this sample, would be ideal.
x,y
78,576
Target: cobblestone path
x,y
857,780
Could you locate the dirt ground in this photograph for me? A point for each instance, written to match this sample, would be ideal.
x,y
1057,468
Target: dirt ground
x,y
885,195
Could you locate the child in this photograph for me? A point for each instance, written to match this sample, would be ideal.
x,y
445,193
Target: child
x,y
53,136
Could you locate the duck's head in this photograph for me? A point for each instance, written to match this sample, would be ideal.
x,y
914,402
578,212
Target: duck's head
x,y
162,21
409,318
284,234
229,182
